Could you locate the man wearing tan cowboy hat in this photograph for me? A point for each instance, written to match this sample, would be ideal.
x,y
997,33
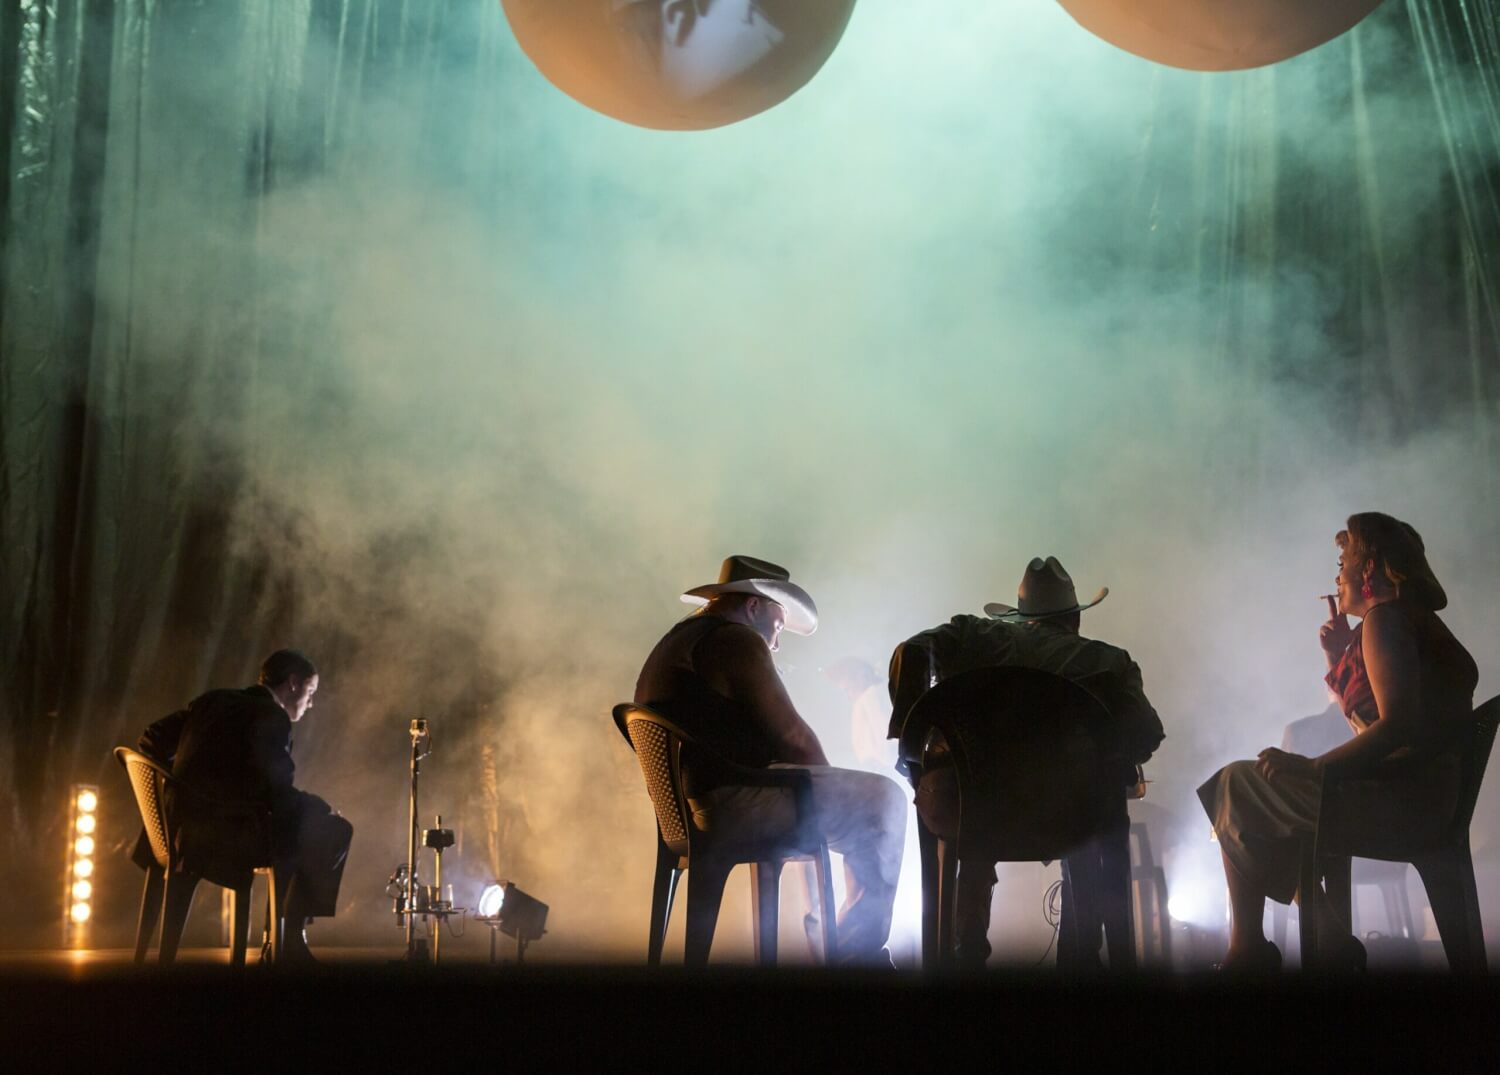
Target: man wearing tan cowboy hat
x,y
712,674
1039,631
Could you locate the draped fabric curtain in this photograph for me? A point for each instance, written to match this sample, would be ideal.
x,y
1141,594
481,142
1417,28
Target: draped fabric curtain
x,y
131,575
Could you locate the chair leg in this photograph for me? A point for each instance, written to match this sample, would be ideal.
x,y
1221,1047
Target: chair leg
x,y
1067,921
1118,912
1449,880
177,901
1338,885
927,844
1279,917
663,888
828,913
1143,909
765,896
1403,908
1392,904
240,924
705,894
1328,880
1163,917
275,922
150,911
1307,880
812,922
947,901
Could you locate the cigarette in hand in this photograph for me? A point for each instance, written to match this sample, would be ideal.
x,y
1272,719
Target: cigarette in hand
x,y
1333,605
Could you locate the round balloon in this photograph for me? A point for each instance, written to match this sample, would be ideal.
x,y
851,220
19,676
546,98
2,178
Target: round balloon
x,y
678,64
1217,35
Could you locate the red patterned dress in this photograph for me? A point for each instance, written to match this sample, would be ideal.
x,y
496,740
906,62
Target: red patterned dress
x,y
1410,795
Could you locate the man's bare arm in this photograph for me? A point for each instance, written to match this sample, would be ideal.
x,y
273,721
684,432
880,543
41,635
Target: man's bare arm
x,y
737,663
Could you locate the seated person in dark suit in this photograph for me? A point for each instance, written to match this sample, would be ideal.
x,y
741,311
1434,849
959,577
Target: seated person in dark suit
x,y
1041,632
236,745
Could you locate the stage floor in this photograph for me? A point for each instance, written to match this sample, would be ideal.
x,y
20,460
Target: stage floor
x,y
95,1008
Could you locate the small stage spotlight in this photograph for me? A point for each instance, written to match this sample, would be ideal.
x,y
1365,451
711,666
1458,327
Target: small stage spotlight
x,y
508,910
78,886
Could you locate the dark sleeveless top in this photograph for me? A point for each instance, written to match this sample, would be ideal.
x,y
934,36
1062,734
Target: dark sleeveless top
x,y
671,684
1449,677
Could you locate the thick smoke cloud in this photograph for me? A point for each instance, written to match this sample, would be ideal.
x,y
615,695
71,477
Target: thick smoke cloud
x,y
530,373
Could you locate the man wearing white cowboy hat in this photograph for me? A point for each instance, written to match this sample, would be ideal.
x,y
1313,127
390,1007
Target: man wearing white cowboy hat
x,y
712,674
1039,631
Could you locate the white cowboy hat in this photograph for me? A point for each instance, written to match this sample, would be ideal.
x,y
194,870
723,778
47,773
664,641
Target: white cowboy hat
x,y
1046,590
746,574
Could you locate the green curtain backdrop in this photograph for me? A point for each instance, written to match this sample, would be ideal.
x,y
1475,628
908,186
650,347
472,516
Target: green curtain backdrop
x,y
209,449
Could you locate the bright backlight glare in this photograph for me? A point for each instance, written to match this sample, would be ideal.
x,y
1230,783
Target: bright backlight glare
x,y
87,801
82,890
83,868
86,823
80,912
491,900
84,847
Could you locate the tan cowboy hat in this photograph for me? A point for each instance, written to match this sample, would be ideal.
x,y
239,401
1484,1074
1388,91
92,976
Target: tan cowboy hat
x,y
746,574
1046,590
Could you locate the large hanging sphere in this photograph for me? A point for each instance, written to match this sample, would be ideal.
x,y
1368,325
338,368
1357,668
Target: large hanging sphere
x,y
1217,35
678,64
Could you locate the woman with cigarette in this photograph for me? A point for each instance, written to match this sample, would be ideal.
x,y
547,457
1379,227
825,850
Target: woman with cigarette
x,y
1406,686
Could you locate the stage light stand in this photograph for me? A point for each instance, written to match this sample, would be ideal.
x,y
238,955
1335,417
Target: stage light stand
x,y
519,915
420,748
438,906
430,902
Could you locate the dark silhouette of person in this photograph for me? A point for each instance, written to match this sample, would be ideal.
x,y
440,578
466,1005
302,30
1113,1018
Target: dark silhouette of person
x,y
1406,685
713,675
1042,632
236,745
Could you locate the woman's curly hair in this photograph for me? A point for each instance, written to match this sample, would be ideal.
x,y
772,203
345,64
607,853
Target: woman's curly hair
x,y
1398,552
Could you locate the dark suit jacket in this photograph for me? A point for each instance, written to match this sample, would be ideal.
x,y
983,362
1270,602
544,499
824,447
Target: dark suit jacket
x,y
230,745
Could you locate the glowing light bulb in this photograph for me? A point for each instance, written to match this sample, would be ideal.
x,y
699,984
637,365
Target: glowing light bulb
x,y
491,900
86,823
83,868
84,847
87,801
79,912
82,890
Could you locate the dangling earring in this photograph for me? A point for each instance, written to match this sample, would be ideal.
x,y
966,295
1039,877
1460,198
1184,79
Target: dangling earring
x,y
1365,590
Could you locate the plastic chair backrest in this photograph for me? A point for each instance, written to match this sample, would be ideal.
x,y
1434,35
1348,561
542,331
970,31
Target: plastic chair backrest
x,y
1476,759
658,749
147,779
1032,760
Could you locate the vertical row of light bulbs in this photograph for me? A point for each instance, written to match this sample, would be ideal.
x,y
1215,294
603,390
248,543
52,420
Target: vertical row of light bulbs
x,y
78,881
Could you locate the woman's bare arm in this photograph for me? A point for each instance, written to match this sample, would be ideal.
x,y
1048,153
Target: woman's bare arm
x,y
1395,673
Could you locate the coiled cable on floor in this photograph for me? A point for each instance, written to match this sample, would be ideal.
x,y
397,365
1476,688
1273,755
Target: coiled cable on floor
x,y
1051,914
